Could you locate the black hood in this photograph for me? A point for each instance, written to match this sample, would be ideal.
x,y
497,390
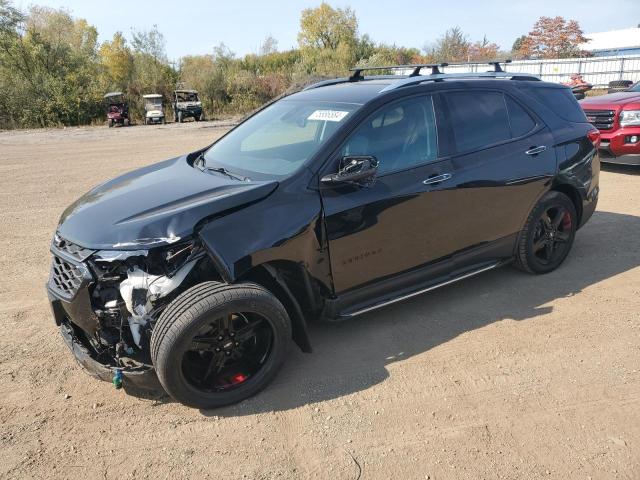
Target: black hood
x,y
155,205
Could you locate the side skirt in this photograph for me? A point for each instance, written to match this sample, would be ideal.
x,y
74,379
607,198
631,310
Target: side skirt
x,y
372,297
384,303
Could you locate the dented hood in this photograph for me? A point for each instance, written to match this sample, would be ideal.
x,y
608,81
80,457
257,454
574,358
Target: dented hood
x,y
155,205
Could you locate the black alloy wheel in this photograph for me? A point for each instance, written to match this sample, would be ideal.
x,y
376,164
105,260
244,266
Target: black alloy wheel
x,y
227,351
552,234
216,344
548,234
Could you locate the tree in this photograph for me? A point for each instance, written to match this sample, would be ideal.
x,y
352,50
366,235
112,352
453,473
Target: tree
x,y
269,46
483,50
117,59
149,42
326,27
517,44
553,38
453,46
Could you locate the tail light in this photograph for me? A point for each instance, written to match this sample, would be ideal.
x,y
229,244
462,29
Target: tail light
x,y
594,137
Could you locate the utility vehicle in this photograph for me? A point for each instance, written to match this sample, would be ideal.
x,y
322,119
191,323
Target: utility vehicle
x,y
341,199
153,109
186,103
117,109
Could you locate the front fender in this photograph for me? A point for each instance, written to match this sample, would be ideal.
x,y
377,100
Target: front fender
x,y
285,226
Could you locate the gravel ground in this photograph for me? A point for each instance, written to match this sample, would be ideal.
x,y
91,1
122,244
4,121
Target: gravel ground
x,y
504,375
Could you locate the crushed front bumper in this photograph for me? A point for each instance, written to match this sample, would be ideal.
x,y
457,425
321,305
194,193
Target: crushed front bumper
x,y
138,378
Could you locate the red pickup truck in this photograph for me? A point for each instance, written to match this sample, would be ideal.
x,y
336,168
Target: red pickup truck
x,y
617,116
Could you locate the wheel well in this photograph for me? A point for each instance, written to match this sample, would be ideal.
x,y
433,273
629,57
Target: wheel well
x,y
574,195
285,280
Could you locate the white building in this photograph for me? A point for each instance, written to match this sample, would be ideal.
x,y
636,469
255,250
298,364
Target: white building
x,y
615,42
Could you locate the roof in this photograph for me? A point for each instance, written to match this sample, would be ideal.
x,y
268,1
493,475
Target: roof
x,y
112,94
152,95
346,90
185,91
615,39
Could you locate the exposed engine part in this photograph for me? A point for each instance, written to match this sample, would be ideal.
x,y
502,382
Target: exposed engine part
x,y
140,290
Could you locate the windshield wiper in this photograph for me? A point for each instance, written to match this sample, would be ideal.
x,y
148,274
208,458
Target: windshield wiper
x,y
226,172
201,163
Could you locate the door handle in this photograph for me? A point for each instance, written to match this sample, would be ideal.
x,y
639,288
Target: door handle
x,y
437,179
536,150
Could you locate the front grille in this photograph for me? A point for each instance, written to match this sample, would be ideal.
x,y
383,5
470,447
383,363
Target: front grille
x,y
601,119
65,278
74,251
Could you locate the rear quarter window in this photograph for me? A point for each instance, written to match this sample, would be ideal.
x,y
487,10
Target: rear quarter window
x,y
561,102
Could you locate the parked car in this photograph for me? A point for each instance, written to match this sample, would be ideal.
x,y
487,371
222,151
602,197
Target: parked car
x,y
117,109
153,109
351,195
186,103
617,116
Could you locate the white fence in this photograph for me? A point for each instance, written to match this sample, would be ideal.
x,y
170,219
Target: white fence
x,y
598,71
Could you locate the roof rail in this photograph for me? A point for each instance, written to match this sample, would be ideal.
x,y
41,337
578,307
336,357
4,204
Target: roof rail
x,y
435,69
408,81
436,74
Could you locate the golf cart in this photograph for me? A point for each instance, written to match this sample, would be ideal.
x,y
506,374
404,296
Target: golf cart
x,y
153,109
187,104
117,109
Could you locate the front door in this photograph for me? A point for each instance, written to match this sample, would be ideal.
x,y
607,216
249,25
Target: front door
x,y
402,220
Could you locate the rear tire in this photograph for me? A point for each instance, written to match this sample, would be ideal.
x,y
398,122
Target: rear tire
x,y
217,344
548,234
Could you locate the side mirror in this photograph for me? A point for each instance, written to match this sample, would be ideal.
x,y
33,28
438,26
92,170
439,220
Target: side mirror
x,y
354,169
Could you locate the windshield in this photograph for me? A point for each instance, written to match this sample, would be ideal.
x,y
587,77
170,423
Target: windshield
x,y
186,96
153,103
279,139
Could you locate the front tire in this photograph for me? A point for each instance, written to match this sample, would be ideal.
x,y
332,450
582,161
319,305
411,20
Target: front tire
x,y
548,234
179,117
217,344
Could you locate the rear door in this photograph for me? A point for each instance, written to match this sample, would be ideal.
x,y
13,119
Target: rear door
x,y
503,158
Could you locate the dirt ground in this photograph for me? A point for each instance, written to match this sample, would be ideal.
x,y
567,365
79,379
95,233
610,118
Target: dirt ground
x,y
504,375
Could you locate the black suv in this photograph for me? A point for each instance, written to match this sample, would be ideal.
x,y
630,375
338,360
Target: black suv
x,y
350,195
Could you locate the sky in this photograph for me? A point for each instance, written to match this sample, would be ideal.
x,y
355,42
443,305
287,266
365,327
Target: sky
x,y
194,27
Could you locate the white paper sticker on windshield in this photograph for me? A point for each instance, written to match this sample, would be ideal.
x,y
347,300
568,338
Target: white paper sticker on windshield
x,y
328,115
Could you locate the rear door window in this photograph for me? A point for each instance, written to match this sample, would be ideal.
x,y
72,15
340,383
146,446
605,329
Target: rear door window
x,y
477,119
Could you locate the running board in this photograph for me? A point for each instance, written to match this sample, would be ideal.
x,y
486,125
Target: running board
x,y
421,291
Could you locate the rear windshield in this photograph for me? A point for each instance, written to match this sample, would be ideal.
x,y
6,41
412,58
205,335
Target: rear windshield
x,y
561,101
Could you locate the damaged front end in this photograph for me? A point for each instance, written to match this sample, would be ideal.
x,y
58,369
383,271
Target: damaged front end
x,y
107,302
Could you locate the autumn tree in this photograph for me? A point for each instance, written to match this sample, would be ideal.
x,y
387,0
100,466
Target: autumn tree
x,y
327,27
483,50
117,59
553,38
